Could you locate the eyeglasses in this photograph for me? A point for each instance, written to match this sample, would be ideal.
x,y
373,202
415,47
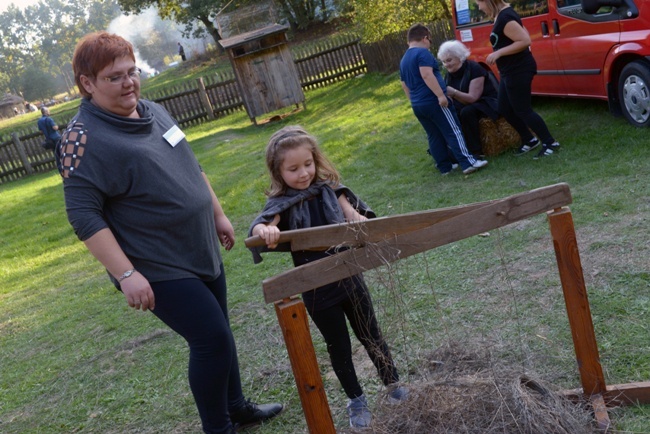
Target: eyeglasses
x,y
119,79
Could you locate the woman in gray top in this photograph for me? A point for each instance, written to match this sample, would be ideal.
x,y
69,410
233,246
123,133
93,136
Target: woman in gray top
x,y
137,197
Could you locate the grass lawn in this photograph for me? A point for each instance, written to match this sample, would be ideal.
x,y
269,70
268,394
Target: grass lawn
x,y
75,358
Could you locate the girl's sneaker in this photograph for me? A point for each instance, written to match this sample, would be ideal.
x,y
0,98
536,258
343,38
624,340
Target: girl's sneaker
x,y
360,416
397,394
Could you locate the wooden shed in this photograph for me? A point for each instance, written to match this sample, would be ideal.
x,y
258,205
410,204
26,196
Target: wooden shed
x,y
266,74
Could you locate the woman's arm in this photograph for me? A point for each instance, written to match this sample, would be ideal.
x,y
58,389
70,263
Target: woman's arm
x,y
269,232
474,93
135,288
520,38
225,231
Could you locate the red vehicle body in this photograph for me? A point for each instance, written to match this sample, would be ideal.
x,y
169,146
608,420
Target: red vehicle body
x,y
590,49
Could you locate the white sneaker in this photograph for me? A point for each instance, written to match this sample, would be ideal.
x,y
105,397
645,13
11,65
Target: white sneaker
x,y
474,167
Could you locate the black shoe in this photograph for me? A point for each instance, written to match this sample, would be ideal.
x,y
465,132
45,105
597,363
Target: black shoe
x,y
252,414
527,147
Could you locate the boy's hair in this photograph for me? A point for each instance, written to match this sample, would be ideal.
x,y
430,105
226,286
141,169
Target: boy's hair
x,y
95,52
417,32
292,137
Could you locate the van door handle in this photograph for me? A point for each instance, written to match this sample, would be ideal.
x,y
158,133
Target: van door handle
x,y
544,28
556,27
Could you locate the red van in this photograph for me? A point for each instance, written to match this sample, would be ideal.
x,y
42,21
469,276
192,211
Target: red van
x,y
590,49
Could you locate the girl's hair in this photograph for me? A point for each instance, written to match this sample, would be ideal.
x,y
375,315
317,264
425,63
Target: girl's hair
x,y
286,139
494,6
95,52
453,48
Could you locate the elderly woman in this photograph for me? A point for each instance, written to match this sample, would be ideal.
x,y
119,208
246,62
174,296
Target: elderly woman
x,y
471,90
137,197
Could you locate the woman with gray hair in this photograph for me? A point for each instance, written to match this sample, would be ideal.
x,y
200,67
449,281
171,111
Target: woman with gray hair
x,y
470,88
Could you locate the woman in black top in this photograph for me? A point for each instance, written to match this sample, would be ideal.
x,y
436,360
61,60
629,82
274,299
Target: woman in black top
x,y
517,67
472,92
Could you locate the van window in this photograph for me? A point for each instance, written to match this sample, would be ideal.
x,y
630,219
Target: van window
x,y
530,8
467,11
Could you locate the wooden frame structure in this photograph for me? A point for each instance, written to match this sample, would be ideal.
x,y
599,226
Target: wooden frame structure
x,y
383,240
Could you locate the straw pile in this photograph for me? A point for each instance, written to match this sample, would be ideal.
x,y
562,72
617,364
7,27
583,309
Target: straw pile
x,y
467,393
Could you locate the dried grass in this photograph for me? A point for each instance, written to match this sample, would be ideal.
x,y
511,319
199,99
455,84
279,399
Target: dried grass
x,y
467,393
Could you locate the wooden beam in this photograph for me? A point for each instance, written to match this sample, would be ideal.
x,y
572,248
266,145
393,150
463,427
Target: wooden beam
x,y
577,302
360,233
600,412
474,221
292,317
618,395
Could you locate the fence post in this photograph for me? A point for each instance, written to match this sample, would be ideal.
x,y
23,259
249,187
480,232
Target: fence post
x,y
205,101
22,154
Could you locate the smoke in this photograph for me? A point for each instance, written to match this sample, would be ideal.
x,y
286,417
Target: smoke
x,y
131,27
153,39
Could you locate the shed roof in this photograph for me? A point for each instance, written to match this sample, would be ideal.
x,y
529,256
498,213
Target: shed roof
x,y
250,36
9,99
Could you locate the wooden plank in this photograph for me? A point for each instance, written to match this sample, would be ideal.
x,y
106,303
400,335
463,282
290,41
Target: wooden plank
x,y
618,394
350,262
600,412
292,317
360,233
577,302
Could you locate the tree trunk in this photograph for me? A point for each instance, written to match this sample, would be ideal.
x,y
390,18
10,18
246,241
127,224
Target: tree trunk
x,y
214,32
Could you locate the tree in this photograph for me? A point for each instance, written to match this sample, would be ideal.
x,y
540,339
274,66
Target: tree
x,y
37,84
44,36
378,18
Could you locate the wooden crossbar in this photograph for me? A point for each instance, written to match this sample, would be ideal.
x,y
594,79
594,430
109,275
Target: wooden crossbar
x,y
391,241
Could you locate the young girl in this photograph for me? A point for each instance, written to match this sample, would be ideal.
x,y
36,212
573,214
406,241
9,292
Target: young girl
x,y
305,192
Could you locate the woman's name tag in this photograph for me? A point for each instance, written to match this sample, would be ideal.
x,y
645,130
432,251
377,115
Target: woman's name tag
x,y
174,135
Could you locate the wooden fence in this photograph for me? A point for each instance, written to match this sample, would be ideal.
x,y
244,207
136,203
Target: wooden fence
x,y
216,96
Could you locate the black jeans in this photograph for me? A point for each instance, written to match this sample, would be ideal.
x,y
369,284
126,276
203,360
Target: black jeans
x,y
516,106
332,325
198,311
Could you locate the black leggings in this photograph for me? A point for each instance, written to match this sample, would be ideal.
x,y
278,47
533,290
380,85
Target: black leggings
x,y
332,325
515,105
198,312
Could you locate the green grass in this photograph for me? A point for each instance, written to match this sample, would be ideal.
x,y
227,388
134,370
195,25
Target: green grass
x,y
75,358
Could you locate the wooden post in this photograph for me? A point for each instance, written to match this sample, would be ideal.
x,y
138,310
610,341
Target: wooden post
x,y
22,154
292,317
205,100
577,303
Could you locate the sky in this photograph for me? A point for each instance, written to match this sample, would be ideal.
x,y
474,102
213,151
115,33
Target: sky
x,y
22,4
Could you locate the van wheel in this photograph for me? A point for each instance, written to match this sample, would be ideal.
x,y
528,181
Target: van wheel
x,y
634,92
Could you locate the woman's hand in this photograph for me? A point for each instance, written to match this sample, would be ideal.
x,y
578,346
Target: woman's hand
x,y
225,231
269,233
138,292
451,92
491,59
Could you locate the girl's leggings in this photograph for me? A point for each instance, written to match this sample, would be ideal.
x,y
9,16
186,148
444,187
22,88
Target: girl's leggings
x,y
198,311
332,325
